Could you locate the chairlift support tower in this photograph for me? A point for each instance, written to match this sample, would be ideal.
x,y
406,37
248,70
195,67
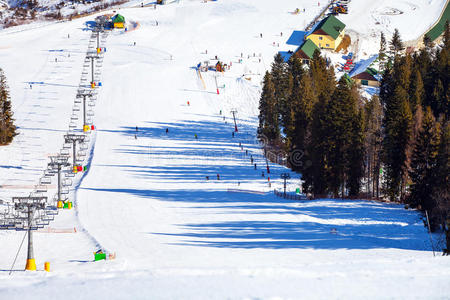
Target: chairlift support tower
x,y
285,176
234,112
74,138
25,208
92,57
83,94
56,163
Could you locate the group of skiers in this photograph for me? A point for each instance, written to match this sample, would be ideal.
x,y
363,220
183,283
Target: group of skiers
x,y
233,135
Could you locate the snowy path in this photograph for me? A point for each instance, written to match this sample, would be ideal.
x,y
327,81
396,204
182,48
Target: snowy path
x,y
177,234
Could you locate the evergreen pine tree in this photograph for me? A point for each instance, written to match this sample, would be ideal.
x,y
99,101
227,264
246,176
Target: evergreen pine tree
x,y
337,137
316,162
386,85
416,90
268,116
303,117
382,52
438,88
344,143
440,215
396,43
323,78
374,137
424,162
293,105
356,153
282,83
7,127
397,124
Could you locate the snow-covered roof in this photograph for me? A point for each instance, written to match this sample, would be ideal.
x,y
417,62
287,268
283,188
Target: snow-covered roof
x,y
362,65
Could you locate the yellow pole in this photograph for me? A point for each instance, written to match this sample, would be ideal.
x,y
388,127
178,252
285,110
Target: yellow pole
x,y
31,265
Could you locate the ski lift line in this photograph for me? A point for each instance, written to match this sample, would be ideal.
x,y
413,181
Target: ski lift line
x,y
45,214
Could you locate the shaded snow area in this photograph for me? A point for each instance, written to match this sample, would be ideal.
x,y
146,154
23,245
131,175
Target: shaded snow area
x,y
177,199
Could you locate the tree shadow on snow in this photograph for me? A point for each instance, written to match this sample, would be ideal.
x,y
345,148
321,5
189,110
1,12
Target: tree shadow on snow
x,y
320,224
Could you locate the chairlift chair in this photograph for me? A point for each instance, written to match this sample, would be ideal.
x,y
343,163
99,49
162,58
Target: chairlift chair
x,y
48,216
41,188
51,210
70,174
45,180
65,152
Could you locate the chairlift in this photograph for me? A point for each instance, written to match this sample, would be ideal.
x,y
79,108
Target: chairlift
x,y
48,173
42,222
41,188
65,152
48,217
67,182
45,180
51,210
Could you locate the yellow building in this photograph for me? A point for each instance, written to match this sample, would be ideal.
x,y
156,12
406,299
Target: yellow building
x,y
118,21
328,33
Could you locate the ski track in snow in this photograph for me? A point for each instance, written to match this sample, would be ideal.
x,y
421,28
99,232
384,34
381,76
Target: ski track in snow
x,y
176,234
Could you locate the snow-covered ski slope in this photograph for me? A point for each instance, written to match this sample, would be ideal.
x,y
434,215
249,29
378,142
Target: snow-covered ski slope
x,y
176,234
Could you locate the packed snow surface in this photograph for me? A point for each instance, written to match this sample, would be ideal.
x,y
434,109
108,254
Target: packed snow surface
x,y
162,129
